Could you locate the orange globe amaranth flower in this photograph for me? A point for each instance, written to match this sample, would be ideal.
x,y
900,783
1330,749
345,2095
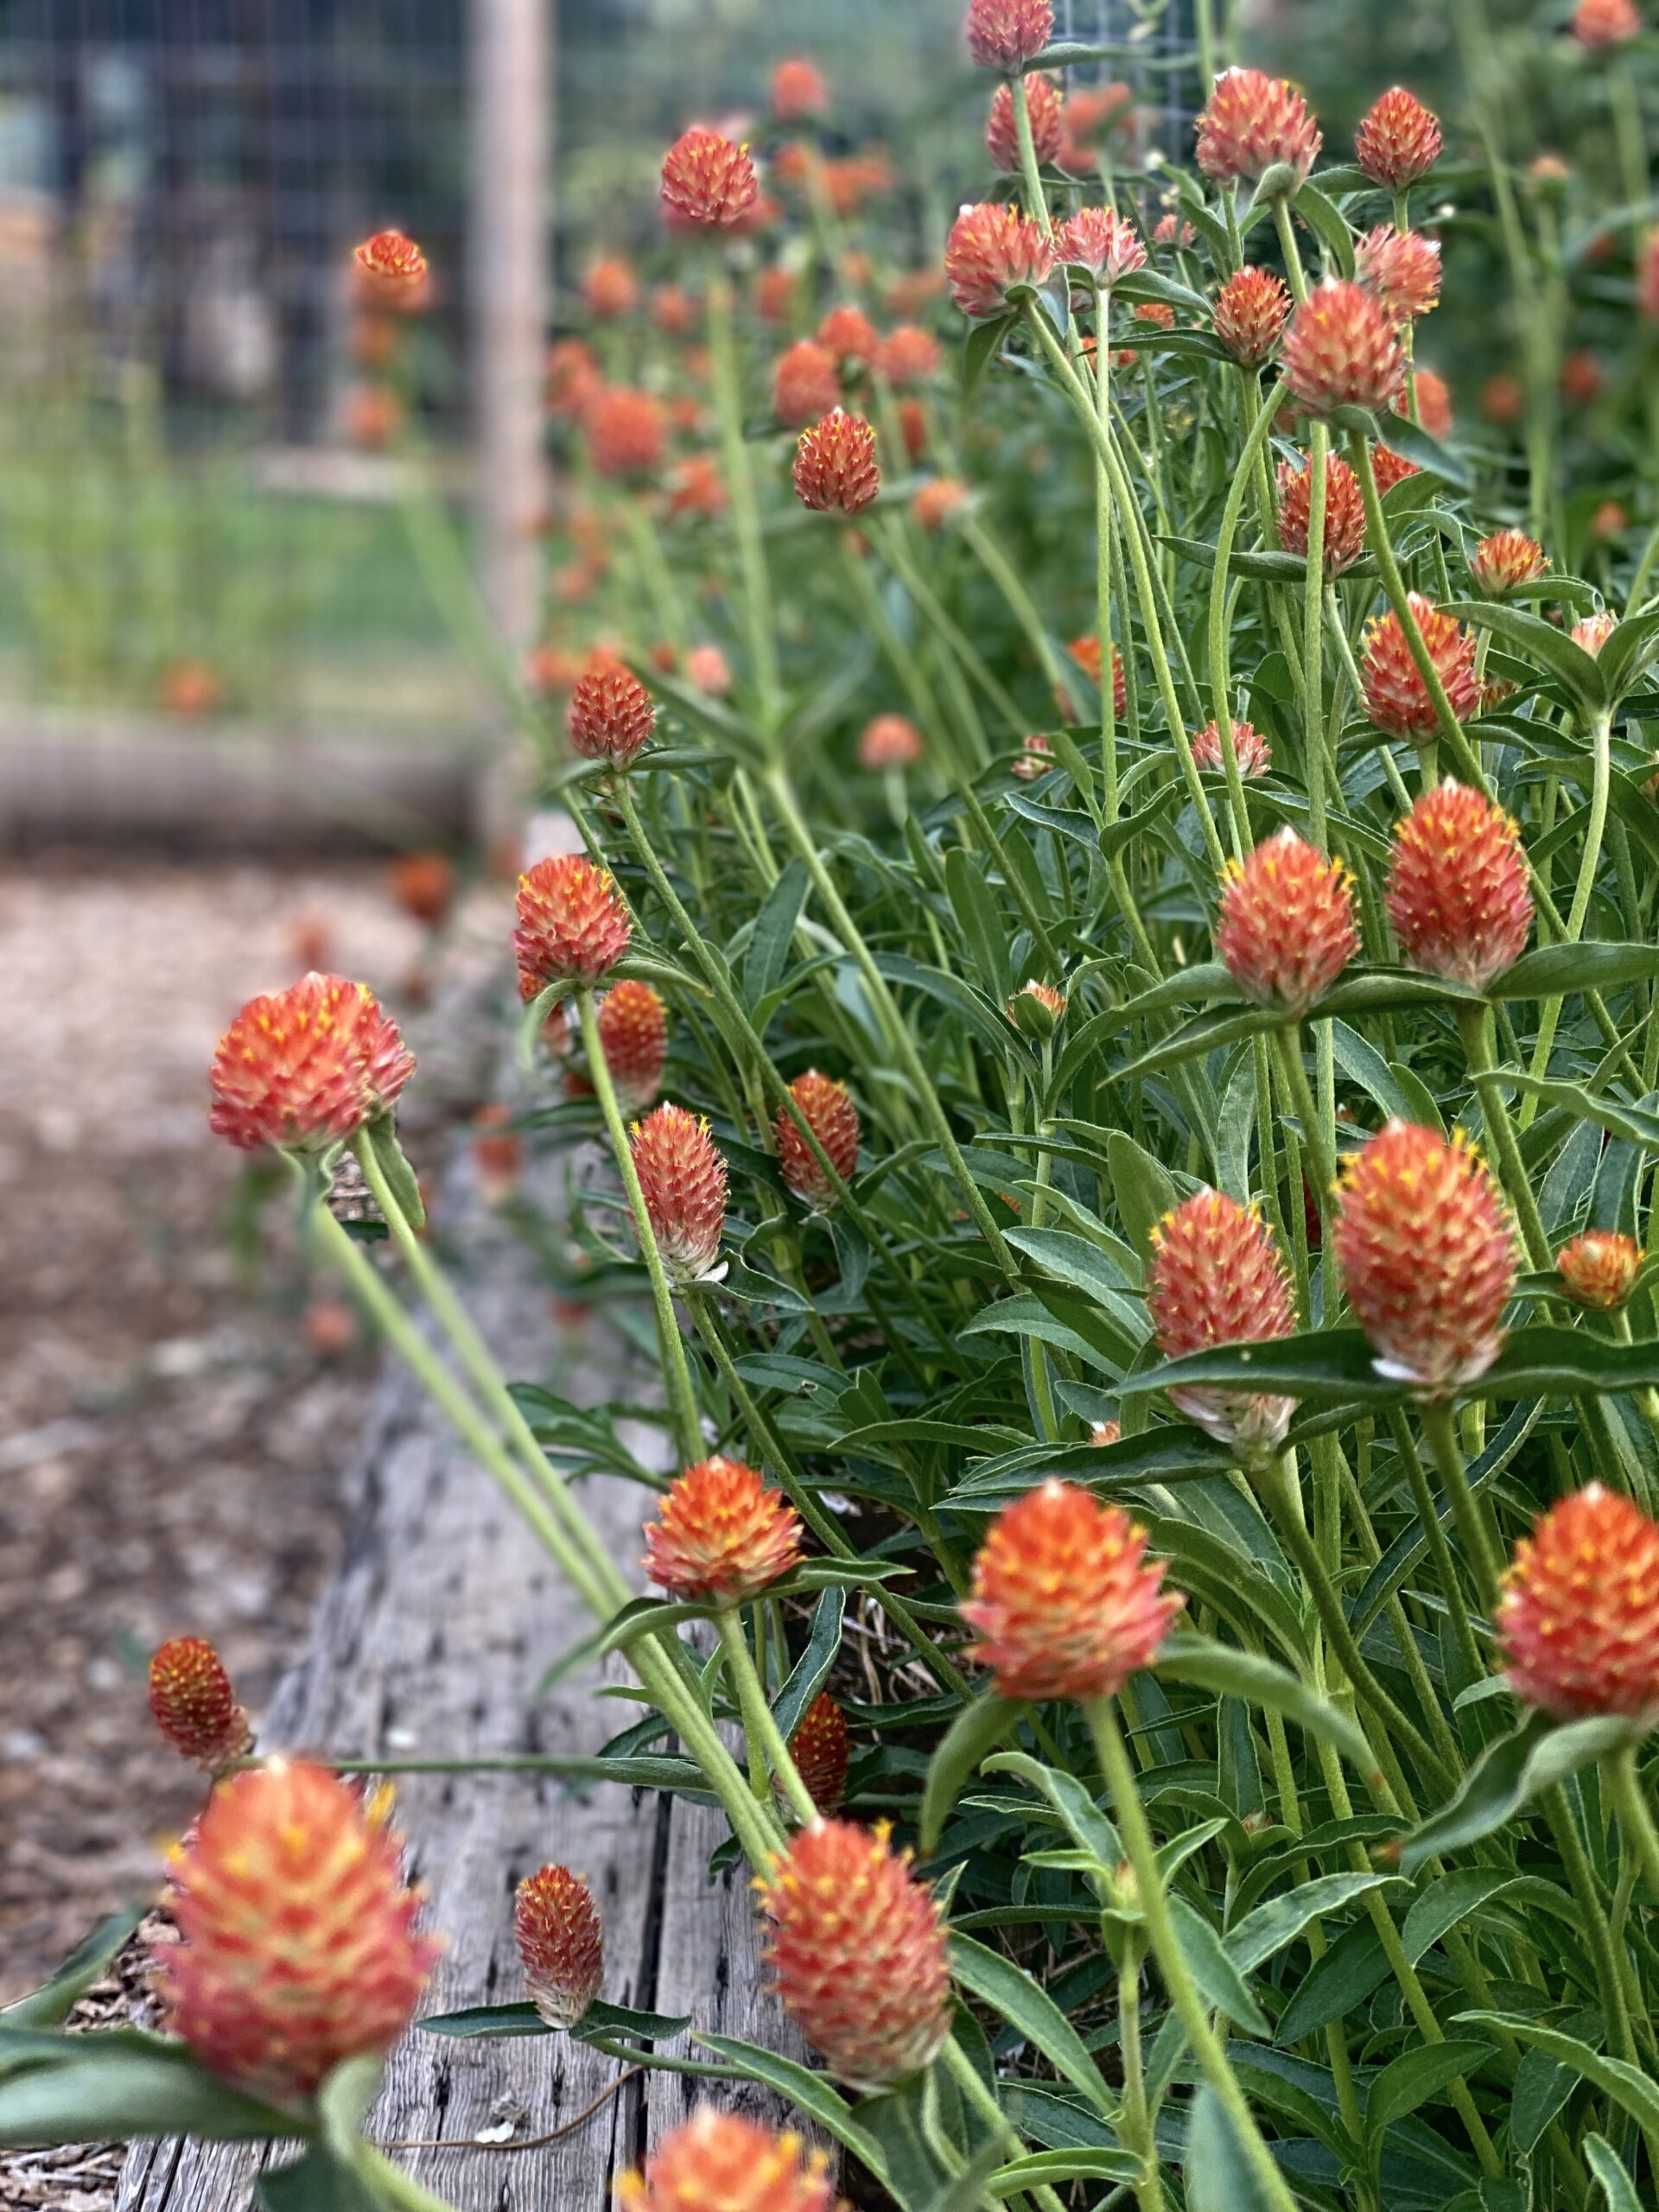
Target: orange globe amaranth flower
x,y
828,1112
890,741
674,310
991,249
1342,350
682,1178
391,270
1005,34
1399,140
572,925
561,1941
1423,1243
572,378
1158,313
1433,400
634,1036
627,431
806,383
720,1537
610,715
1604,23
1065,1601
1503,399
908,355
1390,468
297,1946
1251,311
1100,241
1592,633
858,1950
1085,650
1090,114
1402,268
774,294
848,335
1253,122
1577,1623
1506,558
1036,757
1218,1278
1396,699
1345,512
797,89
1286,930
725,2162
1600,1268
1002,132
708,183
1457,892
424,885
707,670
1581,378
1037,1007
1250,749
1104,1432
935,502
194,1706
610,289
822,1750
836,469
305,1068
1173,229
695,487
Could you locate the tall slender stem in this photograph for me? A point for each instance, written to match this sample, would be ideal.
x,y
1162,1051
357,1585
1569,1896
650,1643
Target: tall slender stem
x,y
765,1736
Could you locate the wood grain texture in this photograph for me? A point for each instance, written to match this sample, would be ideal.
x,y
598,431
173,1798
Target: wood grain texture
x,y
429,1642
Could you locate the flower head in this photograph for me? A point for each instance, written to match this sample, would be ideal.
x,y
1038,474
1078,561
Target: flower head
x,y
1251,311
1285,929
1066,1604
822,1751
858,1949
1006,34
194,1706
721,1535
1402,268
424,885
1345,512
936,500
682,1178
1604,23
1592,633
297,1946
610,715
1252,123
1002,132
797,89
1456,890
1218,1278
633,1035
573,927
1578,1623
908,355
391,269
1506,558
1600,1268
828,1110
990,249
1100,241
1037,1009
1090,114
1399,140
848,335
1342,350
1250,749
561,1941
610,289
725,2162
1432,399
806,383
1085,650
304,1068
890,741
708,182
835,470
1396,698
1423,1242
627,431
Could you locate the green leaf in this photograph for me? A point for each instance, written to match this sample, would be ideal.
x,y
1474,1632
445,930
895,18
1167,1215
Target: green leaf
x,y
815,2096
1142,1187
1452,1897
116,2085
1507,1775
1222,1987
1322,218
380,1134
973,904
983,342
1551,971
474,2021
1088,1827
53,2001
1046,2168
768,958
1540,643
1608,2168
1335,1367
1402,435
965,1742
1417,2076
1254,1940
1028,2007
1262,1681
1354,1965
1626,2085
1216,2169
812,1670
1542,2086
319,2182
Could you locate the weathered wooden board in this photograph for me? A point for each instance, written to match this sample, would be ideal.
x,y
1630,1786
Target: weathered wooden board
x,y
428,1644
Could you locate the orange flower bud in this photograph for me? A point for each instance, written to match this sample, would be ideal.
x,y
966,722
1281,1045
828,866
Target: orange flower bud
x,y
724,2162
560,1944
1250,749
822,1751
1396,698
1399,140
1402,268
797,90
573,927
1251,124
1600,1268
990,249
1578,1623
194,1706
835,470
708,182
1508,557
1457,892
305,1068
682,1178
1251,311
610,715
625,430
830,1113
1217,1277
1005,34
1100,241
1285,929
721,1535
1003,134
1341,350
391,269
634,1036
1345,512
890,741
806,383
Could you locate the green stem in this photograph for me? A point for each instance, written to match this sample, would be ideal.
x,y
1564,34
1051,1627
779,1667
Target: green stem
x,y
767,1746
1438,1429
393,2186
1221,703
962,2072
1190,2007
1601,789
1635,1819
